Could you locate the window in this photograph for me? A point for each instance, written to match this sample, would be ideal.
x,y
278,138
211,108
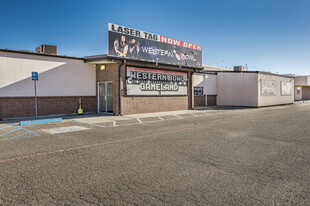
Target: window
x,y
298,90
198,90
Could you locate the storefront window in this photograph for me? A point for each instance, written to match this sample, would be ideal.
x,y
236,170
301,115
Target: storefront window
x,y
198,90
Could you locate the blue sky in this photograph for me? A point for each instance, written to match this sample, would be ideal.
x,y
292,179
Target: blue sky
x,y
268,35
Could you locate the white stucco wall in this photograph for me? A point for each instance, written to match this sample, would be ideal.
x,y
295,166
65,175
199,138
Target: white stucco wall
x,y
198,80
237,89
211,84
278,98
207,81
57,76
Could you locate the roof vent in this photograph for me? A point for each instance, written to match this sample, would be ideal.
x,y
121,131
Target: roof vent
x,y
240,68
46,49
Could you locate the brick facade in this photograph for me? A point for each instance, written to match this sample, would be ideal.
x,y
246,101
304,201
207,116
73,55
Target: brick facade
x,y
132,105
111,73
143,104
24,106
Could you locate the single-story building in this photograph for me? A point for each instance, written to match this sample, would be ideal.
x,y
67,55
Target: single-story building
x,y
105,84
302,88
240,87
142,72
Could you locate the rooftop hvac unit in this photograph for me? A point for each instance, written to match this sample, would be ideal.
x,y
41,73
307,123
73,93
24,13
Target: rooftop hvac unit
x,y
240,68
46,49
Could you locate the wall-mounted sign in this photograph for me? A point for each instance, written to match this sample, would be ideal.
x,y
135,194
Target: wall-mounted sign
x,y
268,88
144,81
135,44
198,90
286,88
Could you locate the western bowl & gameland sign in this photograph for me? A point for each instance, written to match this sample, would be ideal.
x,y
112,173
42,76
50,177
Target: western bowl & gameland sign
x,y
155,82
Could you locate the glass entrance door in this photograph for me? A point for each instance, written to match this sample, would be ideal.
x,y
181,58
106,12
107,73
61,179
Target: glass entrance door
x,y
105,96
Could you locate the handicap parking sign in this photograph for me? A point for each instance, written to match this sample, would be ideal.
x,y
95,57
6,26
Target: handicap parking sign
x,y
35,76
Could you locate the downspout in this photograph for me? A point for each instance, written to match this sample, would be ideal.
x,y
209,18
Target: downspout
x,y
120,89
192,95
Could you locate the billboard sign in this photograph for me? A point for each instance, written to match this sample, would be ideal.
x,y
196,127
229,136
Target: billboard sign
x,y
155,82
130,43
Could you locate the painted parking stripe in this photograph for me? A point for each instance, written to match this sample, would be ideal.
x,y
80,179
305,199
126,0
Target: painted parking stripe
x,y
64,129
5,127
24,135
9,132
123,140
97,144
160,118
94,125
27,130
17,136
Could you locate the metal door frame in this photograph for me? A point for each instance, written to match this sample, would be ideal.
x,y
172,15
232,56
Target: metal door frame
x,y
106,99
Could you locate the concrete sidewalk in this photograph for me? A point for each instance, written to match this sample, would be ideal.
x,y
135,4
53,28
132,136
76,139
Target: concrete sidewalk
x,y
99,119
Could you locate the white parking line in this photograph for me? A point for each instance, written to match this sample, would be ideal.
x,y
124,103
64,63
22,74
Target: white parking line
x,y
64,129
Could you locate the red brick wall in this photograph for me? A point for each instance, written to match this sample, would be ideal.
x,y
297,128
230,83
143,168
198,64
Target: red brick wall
x,y
111,73
134,105
24,106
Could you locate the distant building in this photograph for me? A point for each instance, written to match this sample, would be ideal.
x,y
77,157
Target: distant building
x,y
302,88
207,67
240,87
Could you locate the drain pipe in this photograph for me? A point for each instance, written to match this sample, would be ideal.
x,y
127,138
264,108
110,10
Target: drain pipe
x,y
120,89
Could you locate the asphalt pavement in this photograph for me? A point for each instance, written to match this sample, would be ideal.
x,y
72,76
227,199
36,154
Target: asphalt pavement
x,y
218,157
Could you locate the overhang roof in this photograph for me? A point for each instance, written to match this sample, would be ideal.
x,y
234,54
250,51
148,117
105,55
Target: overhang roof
x,y
106,59
257,72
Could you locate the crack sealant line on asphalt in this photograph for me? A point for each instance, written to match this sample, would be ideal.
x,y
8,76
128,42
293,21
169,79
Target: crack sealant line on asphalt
x,y
96,145
112,142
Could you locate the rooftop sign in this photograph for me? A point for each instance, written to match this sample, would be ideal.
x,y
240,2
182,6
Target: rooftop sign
x,y
136,44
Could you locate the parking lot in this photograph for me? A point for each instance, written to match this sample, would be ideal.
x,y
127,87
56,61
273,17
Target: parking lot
x,y
223,156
